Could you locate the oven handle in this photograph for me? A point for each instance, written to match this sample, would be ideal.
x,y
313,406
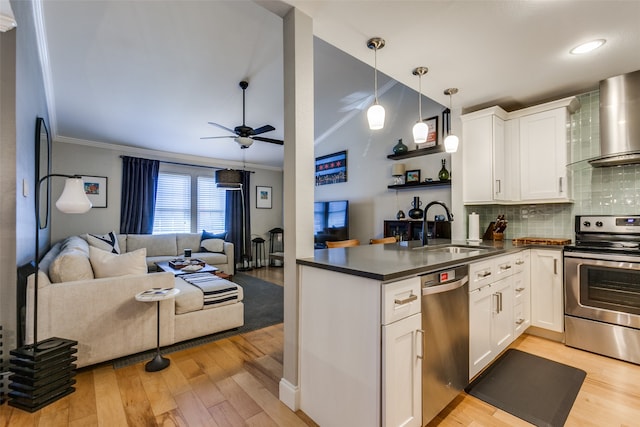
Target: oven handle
x,y
603,256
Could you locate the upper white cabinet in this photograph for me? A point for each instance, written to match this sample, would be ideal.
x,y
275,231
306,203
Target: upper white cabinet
x,y
519,156
543,160
483,154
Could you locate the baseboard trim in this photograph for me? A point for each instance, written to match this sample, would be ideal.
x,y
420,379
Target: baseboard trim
x,y
289,394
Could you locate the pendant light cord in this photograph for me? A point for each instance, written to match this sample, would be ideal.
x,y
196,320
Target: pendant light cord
x,y
420,97
375,73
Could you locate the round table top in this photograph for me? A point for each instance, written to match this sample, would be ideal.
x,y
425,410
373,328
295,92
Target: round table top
x,y
157,294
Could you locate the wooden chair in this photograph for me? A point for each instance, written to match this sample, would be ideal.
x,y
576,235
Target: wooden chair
x,y
343,243
390,239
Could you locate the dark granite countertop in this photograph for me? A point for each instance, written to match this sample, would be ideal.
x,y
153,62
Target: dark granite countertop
x,y
405,259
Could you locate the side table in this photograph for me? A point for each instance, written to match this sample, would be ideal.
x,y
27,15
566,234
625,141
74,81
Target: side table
x,y
158,363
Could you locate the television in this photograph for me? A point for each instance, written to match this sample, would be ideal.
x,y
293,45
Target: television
x,y
330,221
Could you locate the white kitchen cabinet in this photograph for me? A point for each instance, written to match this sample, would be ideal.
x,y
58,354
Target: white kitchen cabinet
x,y
359,349
483,135
543,161
521,293
490,311
547,299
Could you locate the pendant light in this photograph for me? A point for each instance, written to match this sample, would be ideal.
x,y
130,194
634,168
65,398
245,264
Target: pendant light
x,y
375,113
420,129
451,141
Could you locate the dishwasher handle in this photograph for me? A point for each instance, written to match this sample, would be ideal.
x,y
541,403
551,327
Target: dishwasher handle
x,y
430,290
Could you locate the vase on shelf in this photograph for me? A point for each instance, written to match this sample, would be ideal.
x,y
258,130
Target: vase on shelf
x,y
400,148
400,214
416,212
443,175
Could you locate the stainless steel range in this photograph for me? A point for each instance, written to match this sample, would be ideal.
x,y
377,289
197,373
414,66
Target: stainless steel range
x,y
602,286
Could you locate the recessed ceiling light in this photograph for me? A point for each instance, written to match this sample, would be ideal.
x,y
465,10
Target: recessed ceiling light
x,y
587,47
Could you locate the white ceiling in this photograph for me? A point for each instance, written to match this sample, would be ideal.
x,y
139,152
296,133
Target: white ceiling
x,y
151,74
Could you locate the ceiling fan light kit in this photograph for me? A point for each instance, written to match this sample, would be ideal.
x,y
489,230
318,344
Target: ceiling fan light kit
x,y
420,129
245,135
451,141
375,113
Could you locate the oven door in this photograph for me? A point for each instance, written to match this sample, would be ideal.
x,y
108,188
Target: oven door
x,y
603,287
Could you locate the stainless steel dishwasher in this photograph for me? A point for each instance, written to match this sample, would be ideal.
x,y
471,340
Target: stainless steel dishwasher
x,y
445,321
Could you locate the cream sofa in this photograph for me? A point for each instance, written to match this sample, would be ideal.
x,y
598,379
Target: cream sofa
x,y
102,313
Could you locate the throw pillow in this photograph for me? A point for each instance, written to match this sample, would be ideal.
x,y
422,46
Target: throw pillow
x,y
108,242
213,245
208,235
106,264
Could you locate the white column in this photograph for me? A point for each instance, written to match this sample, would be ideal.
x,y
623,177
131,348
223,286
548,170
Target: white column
x,y
299,183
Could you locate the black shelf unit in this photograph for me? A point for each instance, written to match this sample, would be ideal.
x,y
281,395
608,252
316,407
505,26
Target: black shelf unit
x,y
417,152
413,185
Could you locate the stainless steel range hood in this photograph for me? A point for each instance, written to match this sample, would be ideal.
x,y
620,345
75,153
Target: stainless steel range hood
x,y
619,121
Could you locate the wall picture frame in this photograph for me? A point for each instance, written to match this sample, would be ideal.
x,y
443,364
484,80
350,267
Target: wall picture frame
x,y
332,168
95,187
263,197
412,176
432,136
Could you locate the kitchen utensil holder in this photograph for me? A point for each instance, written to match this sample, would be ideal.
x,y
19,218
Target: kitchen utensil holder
x,y
498,236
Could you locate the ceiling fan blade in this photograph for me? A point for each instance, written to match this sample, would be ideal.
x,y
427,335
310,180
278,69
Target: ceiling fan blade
x,y
216,137
263,129
273,141
222,127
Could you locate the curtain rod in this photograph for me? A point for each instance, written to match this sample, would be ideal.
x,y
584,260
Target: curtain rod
x,y
190,165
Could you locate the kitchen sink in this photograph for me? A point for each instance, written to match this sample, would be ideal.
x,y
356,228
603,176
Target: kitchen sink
x,y
456,249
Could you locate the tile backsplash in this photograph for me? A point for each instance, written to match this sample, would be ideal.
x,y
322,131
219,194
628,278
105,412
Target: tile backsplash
x,y
606,191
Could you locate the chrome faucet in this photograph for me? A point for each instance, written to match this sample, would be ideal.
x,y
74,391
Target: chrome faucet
x,y
424,219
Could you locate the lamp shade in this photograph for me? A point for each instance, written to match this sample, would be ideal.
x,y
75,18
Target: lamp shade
x,y
375,116
73,198
397,169
451,143
420,132
228,178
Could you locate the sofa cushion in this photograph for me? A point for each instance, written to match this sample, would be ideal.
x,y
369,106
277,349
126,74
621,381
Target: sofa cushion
x,y
208,235
72,263
156,245
106,264
107,242
187,241
213,245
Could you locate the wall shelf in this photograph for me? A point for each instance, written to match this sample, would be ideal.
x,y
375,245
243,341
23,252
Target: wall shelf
x,y
420,185
417,152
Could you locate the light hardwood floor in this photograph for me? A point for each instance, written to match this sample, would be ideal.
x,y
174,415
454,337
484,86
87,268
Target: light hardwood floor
x,y
234,382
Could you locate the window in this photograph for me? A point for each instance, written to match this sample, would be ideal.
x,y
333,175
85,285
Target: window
x,y
188,201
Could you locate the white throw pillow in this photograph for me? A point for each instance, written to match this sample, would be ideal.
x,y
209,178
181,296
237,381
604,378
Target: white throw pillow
x,y
106,264
213,245
108,242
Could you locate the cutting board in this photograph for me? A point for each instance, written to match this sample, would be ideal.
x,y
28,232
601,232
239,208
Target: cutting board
x,y
540,241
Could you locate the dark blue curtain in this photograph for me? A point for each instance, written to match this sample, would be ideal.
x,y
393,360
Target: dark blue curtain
x,y
139,185
233,221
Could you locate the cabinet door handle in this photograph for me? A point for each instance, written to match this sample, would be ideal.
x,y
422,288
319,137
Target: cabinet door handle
x,y
420,333
484,274
519,321
407,300
519,262
497,301
500,300
505,267
499,185
519,289
555,266
560,183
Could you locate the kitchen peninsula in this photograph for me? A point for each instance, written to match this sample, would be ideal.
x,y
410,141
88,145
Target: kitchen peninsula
x,y
361,347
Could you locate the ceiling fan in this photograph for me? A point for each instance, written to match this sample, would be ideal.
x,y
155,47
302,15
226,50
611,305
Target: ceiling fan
x,y
243,134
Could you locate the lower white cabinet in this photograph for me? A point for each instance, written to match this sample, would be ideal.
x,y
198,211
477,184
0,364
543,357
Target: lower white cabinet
x,y
401,372
522,293
547,299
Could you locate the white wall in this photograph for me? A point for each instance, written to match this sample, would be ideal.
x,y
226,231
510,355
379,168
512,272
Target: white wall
x,y
369,170
104,160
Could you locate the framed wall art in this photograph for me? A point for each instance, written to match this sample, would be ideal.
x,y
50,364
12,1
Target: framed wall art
x,y
95,187
412,176
331,169
263,197
432,136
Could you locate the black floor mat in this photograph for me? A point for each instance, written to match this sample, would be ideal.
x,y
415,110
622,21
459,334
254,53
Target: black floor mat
x,y
532,388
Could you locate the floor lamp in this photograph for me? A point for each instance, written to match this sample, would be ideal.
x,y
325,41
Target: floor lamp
x,y
43,371
230,179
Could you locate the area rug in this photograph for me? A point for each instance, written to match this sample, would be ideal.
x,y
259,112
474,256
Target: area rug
x,y
263,306
532,388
